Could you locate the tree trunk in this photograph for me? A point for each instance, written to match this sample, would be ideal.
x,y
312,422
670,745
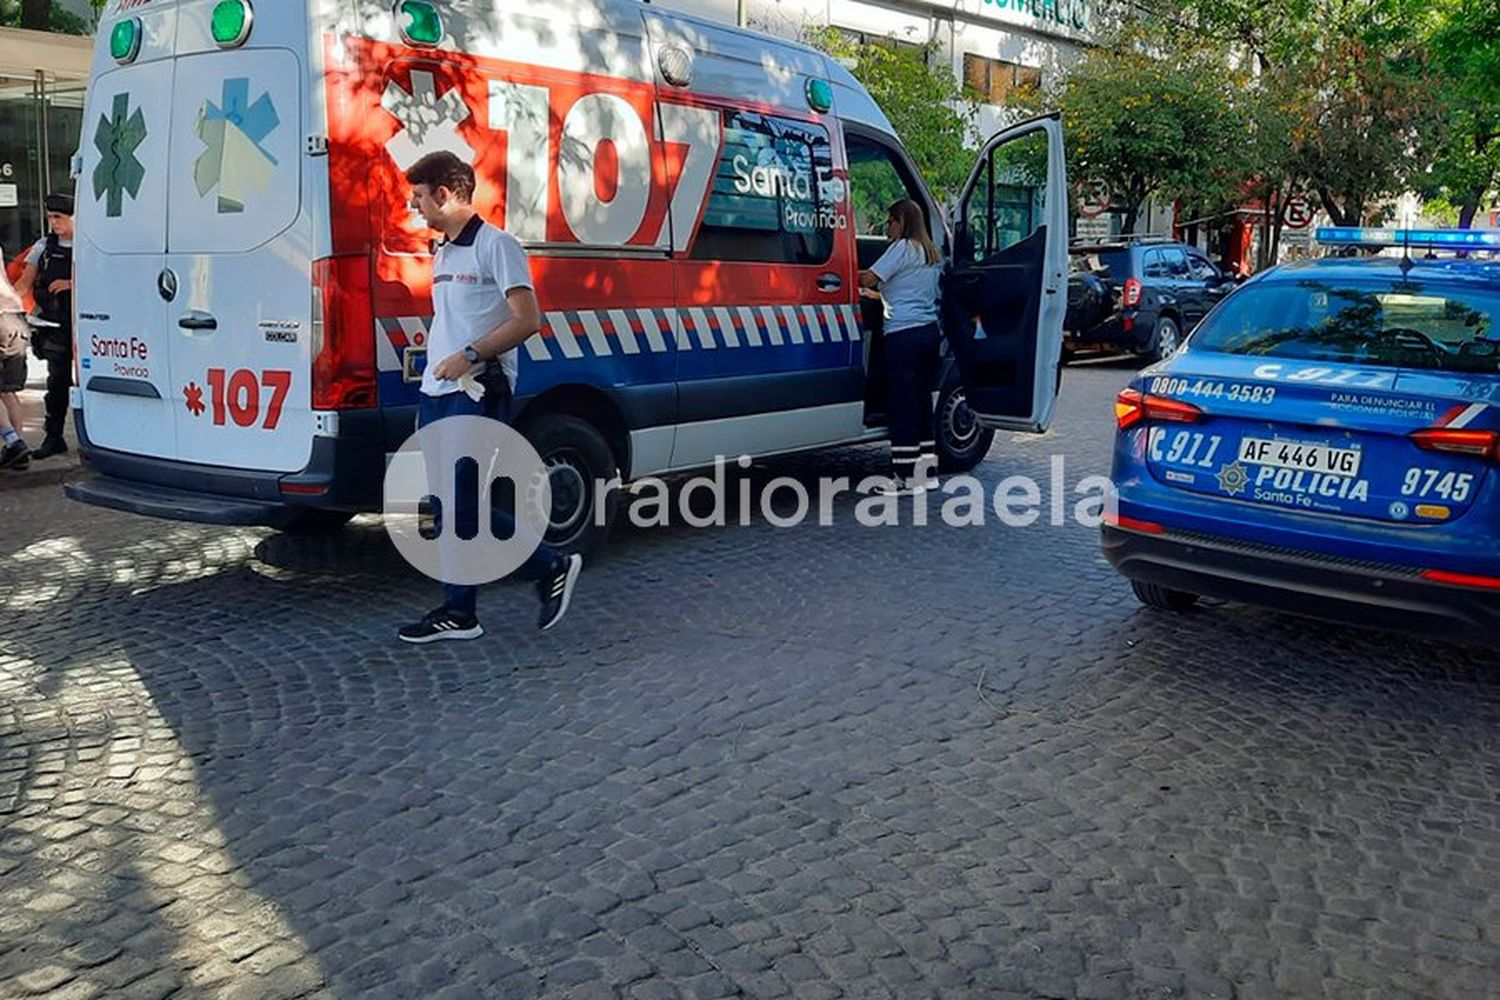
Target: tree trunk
x,y
36,14
1335,213
1470,207
1131,215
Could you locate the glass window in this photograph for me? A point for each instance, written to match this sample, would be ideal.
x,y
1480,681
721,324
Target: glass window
x,y
1177,264
1409,324
774,197
1005,207
993,80
875,183
1155,265
1202,268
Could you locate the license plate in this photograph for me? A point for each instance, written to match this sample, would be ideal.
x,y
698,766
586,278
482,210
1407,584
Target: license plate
x,y
1300,455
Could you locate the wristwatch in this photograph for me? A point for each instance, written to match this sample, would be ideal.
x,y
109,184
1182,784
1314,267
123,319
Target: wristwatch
x,y
471,354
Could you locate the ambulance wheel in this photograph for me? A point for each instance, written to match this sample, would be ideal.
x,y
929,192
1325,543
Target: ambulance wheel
x,y
1162,599
577,459
961,442
317,522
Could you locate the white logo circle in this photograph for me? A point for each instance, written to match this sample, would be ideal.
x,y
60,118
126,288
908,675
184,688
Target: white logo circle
x,y
467,500
1399,510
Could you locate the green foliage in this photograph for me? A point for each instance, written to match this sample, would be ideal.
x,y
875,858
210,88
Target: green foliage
x,y
923,100
1464,41
1149,120
60,20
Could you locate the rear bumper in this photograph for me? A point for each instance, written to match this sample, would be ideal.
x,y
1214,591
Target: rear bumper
x,y
1358,593
342,473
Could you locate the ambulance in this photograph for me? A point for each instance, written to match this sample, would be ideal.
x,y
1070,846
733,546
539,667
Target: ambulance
x,y
253,290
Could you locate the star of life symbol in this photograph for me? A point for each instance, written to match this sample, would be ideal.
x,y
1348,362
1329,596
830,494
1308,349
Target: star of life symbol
x,y
1233,479
193,398
233,130
116,138
429,122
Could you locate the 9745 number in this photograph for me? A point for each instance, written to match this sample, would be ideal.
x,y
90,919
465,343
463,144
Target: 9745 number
x,y
1422,483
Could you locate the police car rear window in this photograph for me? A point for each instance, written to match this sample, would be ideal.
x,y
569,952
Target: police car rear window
x,y
774,197
1398,323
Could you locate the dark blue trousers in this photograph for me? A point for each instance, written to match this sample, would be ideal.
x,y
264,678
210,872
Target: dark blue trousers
x,y
912,360
460,598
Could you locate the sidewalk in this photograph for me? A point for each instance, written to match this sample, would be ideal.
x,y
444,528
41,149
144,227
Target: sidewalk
x,y
48,471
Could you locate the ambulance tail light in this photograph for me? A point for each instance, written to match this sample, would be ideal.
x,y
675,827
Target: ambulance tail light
x,y
343,340
1480,444
1133,406
1132,295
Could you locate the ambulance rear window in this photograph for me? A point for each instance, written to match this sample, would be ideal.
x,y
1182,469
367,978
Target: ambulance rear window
x,y
774,198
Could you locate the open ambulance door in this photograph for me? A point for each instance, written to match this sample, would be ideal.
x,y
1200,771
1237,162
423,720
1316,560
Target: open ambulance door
x,y
1005,291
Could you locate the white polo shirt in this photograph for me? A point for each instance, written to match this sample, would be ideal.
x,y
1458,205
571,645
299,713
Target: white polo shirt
x,y
909,286
471,275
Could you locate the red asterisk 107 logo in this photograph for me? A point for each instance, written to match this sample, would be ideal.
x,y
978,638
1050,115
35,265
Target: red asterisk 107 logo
x,y
194,396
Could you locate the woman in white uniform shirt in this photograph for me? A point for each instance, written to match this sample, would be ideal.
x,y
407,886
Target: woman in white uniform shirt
x,y
906,276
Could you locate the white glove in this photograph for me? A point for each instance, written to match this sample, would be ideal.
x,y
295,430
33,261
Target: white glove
x,y
469,384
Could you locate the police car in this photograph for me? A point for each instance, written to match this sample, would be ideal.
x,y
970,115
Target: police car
x,y
1326,441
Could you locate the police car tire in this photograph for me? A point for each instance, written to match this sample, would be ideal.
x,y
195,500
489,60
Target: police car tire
x,y
317,522
1161,598
957,452
576,442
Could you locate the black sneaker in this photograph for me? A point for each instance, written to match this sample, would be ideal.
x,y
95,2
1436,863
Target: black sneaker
x,y
556,591
441,624
15,456
50,447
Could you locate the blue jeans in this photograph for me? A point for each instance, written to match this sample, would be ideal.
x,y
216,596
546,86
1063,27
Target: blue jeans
x,y
460,598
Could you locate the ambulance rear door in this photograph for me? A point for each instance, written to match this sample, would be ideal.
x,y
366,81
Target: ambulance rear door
x,y
1006,292
240,246
124,369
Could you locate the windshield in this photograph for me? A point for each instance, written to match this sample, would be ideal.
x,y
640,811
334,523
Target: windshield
x,y
1385,323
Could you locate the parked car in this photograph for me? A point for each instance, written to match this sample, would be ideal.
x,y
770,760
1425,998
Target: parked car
x,y
1326,444
1139,295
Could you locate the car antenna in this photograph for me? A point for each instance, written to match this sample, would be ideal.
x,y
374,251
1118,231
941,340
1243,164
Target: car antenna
x,y
1406,264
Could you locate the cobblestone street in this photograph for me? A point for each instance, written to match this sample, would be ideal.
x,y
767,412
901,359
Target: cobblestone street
x,y
818,762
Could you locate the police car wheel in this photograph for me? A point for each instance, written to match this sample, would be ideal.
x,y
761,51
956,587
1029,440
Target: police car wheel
x,y
578,459
316,522
1162,598
961,442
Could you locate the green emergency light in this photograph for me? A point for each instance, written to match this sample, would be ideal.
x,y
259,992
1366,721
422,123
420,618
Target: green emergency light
x,y
125,40
421,24
230,23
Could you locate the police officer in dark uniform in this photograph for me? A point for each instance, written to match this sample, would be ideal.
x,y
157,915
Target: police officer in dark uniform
x,y
48,277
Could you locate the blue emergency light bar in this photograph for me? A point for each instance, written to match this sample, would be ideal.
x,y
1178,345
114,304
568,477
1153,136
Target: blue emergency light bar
x,y
1427,239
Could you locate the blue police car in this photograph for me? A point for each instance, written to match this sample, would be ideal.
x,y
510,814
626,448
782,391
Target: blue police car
x,y
1327,442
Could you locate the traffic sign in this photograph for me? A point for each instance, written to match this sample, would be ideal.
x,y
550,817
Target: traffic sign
x,y
1298,213
1094,199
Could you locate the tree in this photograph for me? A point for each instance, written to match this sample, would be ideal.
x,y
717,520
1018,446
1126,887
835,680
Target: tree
x,y
1464,39
921,97
1146,124
1365,116
45,15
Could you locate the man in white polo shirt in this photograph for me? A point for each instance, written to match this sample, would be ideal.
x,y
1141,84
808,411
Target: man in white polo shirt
x,y
483,309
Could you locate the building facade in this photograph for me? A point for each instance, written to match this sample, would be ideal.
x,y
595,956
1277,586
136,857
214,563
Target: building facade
x,y
42,77
994,46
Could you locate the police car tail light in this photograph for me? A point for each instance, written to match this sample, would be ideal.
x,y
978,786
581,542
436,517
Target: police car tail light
x,y
1132,292
1133,406
343,375
1480,444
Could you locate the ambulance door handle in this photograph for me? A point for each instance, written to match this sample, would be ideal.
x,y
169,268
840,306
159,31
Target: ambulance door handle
x,y
196,320
830,283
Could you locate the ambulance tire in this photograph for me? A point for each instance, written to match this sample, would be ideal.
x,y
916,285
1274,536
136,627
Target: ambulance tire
x,y
317,522
961,442
577,457
1161,598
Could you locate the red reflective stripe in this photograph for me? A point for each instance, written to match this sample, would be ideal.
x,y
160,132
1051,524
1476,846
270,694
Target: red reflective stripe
x,y
1118,520
1461,579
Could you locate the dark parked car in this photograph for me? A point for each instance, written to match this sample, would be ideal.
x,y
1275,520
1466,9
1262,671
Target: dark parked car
x,y
1140,295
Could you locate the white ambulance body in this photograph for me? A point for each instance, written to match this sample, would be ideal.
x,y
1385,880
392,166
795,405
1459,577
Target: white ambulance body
x,y
253,291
